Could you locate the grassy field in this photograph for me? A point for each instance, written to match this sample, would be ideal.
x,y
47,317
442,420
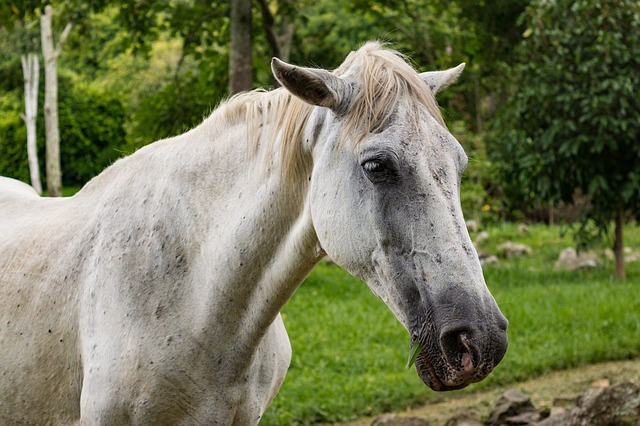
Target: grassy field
x,y
349,351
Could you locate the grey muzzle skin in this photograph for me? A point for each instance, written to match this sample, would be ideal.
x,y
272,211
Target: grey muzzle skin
x,y
461,343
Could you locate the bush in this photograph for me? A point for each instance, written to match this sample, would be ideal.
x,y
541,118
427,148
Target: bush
x,y
91,132
479,197
13,140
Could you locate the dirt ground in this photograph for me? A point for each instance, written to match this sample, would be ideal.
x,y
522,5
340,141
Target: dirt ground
x,y
542,390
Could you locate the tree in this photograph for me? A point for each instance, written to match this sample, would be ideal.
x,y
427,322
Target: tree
x,y
572,122
31,71
240,54
278,28
50,53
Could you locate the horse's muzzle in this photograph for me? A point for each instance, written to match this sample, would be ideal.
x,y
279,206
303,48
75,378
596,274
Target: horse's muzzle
x,y
460,355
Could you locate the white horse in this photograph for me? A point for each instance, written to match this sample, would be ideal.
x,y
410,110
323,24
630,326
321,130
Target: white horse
x,y
153,295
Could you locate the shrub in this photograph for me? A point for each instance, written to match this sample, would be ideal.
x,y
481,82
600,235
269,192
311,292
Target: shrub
x,y
91,132
13,140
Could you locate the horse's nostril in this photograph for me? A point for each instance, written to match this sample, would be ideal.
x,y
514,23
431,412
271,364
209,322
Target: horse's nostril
x,y
457,346
503,323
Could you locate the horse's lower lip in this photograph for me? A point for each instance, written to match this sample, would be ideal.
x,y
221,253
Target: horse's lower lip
x,y
428,375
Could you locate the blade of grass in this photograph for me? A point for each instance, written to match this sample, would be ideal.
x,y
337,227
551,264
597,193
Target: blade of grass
x,y
416,347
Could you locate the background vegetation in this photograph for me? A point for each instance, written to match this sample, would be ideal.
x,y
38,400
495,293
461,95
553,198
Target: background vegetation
x,y
349,351
548,110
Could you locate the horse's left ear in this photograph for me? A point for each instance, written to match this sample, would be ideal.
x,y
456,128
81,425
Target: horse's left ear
x,y
439,80
315,86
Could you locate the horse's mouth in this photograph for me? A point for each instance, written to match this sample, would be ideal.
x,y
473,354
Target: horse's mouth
x,y
440,376
427,373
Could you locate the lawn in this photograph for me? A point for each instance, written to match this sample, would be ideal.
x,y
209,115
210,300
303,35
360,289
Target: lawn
x,y
349,351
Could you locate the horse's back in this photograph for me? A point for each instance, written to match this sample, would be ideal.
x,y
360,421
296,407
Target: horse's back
x,y
39,364
16,187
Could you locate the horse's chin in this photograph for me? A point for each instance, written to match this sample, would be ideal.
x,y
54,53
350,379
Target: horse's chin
x,y
428,373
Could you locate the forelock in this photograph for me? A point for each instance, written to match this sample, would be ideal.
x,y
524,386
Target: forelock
x,y
384,79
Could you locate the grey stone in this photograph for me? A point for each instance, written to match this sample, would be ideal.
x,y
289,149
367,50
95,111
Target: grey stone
x,y
511,249
464,418
571,260
511,403
558,418
614,405
481,238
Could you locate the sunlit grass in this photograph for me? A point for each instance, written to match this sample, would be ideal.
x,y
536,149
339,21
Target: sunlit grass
x,y
349,352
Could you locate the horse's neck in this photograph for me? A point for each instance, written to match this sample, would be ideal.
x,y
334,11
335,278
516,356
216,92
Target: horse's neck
x,y
256,241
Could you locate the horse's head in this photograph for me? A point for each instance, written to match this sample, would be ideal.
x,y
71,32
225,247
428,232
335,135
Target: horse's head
x,y
385,205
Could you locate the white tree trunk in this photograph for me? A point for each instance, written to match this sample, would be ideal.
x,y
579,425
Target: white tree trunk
x,y
52,132
31,72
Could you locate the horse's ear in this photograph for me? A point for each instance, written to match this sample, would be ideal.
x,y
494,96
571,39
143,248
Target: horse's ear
x,y
314,86
438,80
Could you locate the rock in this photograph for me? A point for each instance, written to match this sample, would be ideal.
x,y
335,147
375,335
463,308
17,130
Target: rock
x,y
559,417
464,418
569,259
511,403
481,238
564,403
527,418
632,257
614,405
629,255
472,225
395,420
488,259
523,228
608,253
511,249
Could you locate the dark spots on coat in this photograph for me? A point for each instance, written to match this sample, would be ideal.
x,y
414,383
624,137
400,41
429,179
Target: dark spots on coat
x,y
439,175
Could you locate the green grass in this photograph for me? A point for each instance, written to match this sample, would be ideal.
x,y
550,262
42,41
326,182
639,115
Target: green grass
x,y
349,352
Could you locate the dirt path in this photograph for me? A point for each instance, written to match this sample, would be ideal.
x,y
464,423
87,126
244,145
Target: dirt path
x,y
543,390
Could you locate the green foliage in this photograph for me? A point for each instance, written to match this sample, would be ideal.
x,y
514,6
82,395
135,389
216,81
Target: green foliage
x,y
479,197
13,140
572,119
349,352
167,61
91,132
178,106
495,27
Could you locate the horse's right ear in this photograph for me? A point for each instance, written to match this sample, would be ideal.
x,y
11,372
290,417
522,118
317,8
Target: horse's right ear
x,y
315,86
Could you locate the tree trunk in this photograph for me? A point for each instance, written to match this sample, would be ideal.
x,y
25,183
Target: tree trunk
x,y
478,107
279,39
31,72
240,78
618,246
50,54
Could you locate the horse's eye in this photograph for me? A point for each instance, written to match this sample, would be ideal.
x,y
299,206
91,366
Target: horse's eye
x,y
373,166
380,170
